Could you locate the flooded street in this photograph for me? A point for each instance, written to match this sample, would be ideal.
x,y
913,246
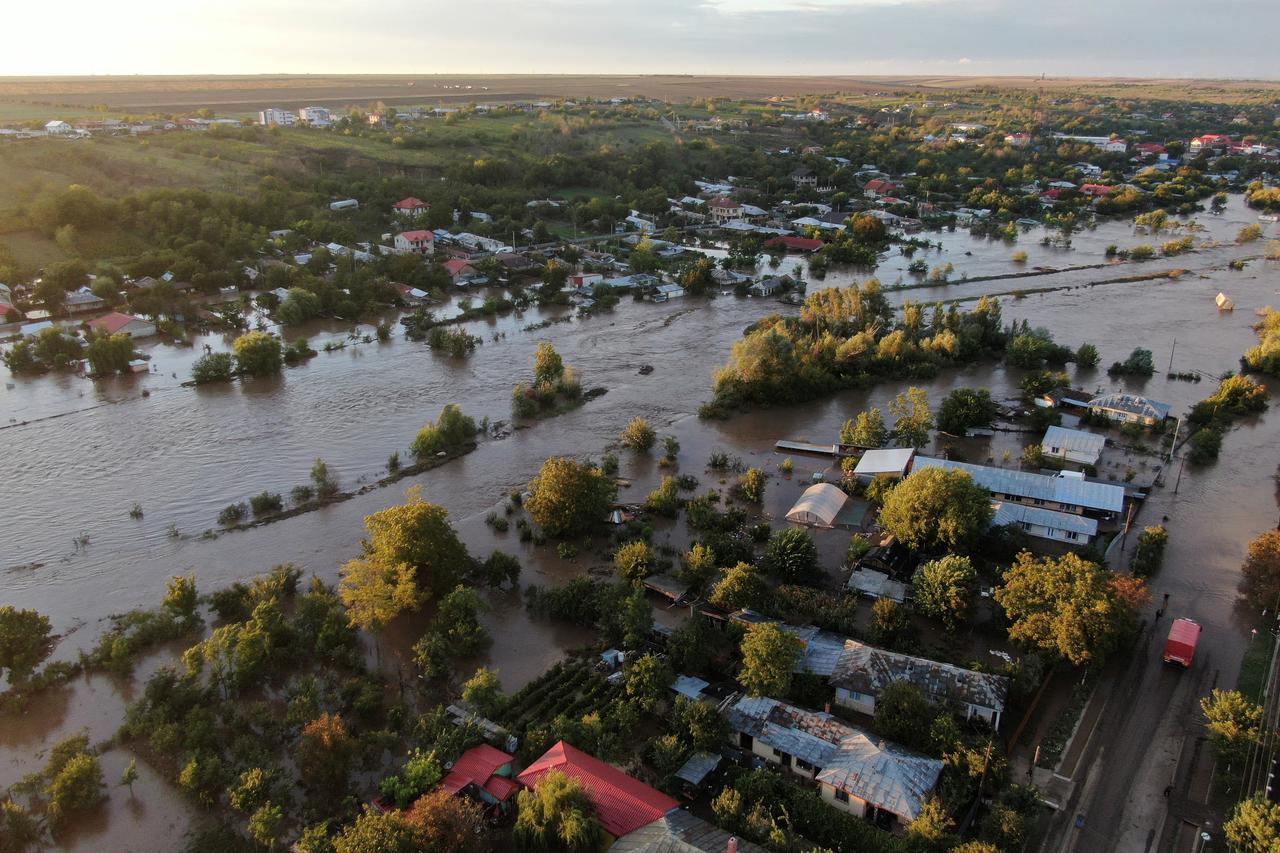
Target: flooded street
x,y
92,449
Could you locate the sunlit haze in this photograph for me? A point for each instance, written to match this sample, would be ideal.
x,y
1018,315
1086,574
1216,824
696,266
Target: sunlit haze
x,y
974,37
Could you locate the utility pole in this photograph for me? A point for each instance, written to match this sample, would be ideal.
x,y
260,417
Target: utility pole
x,y
1171,352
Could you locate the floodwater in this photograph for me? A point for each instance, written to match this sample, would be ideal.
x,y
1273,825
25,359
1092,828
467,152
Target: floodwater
x,y
79,453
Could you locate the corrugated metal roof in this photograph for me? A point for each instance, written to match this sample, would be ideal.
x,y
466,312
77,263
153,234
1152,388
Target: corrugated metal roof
x,y
699,765
1131,404
821,649
689,686
622,804
867,669
876,584
1063,490
1074,440
678,831
883,774
1013,513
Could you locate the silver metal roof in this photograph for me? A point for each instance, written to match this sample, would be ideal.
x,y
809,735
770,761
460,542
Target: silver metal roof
x,y
892,460
1012,513
699,765
1074,440
1131,404
849,759
867,669
821,649
876,584
678,831
689,686
1063,490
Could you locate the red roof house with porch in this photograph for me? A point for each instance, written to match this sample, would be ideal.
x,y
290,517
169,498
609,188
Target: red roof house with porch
x,y
622,804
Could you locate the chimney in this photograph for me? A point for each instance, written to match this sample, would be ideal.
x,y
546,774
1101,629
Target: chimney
x,y
732,847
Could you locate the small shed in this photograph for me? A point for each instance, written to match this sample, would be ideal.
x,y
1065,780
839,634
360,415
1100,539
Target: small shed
x,y
895,462
1073,445
1224,302
874,584
819,506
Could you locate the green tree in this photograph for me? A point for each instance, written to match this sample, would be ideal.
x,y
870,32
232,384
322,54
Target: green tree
x,y
1149,554
633,562
322,480
1261,572
1254,826
299,306
639,435
935,509
1087,355
867,430
768,655
264,824
1234,724
903,714
647,680
19,831
130,775
376,832
214,367
452,429
740,587
483,691
24,641
418,533
931,829
791,554
889,622
1064,605
944,587
376,593
700,724
548,366
75,787
181,598
752,485
914,420
258,354
109,353
324,757
556,815
570,497
698,566
965,408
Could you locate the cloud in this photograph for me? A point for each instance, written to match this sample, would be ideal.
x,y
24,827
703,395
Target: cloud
x,y
964,60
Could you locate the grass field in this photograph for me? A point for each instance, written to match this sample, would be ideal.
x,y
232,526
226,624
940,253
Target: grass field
x,y
240,95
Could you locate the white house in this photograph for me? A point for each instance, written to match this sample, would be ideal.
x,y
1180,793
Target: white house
x,y
724,209
410,208
58,127
665,292
314,116
276,115
415,242
1129,408
856,772
1063,492
1073,445
1045,523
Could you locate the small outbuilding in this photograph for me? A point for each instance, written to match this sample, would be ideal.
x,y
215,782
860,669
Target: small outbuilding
x,y
1073,445
819,506
894,462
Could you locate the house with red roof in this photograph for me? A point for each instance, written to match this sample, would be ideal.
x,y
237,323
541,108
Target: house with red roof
x,y
1018,140
877,187
724,209
794,244
1096,190
463,273
115,322
415,242
1149,149
483,773
410,208
622,804
1211,141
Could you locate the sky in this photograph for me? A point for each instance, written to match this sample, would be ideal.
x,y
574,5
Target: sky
x,y
1171,38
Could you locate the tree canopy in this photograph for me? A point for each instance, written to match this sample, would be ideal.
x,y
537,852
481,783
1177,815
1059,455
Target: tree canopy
x,y
768,654
570,497
935,510
1066,606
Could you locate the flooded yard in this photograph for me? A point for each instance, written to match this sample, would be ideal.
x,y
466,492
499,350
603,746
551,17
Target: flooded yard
x,y
89,450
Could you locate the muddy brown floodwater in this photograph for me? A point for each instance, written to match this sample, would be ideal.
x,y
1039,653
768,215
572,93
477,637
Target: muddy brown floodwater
x,y
79,453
